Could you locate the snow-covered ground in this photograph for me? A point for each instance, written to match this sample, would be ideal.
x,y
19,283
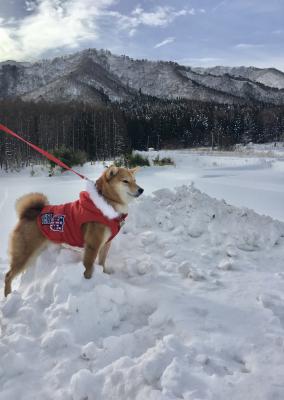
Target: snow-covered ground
x,y
193,307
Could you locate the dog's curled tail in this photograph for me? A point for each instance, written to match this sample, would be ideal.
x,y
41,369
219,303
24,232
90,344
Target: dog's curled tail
x,y
30,205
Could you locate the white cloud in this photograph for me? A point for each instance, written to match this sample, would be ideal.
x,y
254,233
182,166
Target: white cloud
x,y
161,16
30,5
247,46
201,61
221,4
52,24
164,42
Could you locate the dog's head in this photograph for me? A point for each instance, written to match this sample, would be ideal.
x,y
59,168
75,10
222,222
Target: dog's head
x,y
119,184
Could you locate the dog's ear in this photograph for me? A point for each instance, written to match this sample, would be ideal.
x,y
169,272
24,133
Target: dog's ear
x,y
111,172
134,170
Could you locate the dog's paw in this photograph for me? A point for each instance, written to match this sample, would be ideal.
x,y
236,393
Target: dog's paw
x,y
88,274
108,271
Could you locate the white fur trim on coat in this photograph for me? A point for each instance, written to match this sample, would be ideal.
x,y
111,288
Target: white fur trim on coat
x,y
100,202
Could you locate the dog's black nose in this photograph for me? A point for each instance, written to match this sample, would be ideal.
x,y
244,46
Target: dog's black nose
x,y
140,190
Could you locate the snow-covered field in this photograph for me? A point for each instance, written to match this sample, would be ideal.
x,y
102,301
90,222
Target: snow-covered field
x,y
193,307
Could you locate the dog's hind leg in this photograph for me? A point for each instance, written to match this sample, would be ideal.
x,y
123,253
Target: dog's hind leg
x,y
8,280
19,263
26,241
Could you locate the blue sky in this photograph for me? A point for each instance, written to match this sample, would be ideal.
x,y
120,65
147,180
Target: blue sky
x,y
196,32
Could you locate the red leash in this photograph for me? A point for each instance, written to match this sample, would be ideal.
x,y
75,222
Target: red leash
x,y
41,151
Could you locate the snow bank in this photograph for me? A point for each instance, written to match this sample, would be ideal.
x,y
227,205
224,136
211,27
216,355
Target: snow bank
x,y
192,309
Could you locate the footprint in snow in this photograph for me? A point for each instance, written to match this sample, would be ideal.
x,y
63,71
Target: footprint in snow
x,y
189,272
275,304
213,365
222,366
225,265
148,238
170,253
280,275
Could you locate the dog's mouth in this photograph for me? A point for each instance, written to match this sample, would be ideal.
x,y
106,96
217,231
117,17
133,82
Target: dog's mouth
x,y
137,194
133,194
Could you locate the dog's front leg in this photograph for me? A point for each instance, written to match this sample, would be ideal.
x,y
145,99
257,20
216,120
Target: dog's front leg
x,y
103,254
90,255
95,236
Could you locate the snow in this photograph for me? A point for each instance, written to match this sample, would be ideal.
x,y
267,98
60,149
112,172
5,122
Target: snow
x,y
252,177
192,307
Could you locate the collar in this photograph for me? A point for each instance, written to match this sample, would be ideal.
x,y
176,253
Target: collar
x,y
122,218
107,210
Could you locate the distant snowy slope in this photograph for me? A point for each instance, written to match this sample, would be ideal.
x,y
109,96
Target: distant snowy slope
x,y
193,309
236,85
268,76
164,80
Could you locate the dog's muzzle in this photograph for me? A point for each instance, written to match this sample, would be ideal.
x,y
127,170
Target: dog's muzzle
x,y
137,194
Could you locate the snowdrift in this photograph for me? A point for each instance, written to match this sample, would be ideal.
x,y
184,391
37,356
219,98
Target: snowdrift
x,y
192,309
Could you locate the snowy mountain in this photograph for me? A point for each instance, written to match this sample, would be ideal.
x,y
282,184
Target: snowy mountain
x,y
95,76
267,76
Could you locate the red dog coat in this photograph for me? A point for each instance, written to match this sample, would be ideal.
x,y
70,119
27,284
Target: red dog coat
x,y
63,223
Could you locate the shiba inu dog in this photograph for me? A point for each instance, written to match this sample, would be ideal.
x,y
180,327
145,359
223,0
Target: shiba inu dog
x,y
90,222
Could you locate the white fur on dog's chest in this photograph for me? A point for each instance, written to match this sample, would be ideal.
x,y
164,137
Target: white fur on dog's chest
x,y
107,210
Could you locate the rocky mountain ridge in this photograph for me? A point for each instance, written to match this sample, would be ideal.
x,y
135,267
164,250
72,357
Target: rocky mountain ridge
x,y
98,76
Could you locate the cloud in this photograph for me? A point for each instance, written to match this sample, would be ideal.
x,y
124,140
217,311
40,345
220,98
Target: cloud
x,y
218,5
201,61
30,5
164,42
248,46
51,24
160,16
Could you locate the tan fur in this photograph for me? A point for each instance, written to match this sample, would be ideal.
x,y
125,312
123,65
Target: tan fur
x,y
27,239
28,205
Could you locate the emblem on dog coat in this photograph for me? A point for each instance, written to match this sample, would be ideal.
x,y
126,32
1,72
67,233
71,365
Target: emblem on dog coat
x,y
62,223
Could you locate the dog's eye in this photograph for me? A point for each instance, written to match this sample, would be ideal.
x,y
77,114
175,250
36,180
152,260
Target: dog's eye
x,y
125,181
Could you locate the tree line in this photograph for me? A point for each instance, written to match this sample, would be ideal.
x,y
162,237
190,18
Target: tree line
x,y
100,131
107,131
182,123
